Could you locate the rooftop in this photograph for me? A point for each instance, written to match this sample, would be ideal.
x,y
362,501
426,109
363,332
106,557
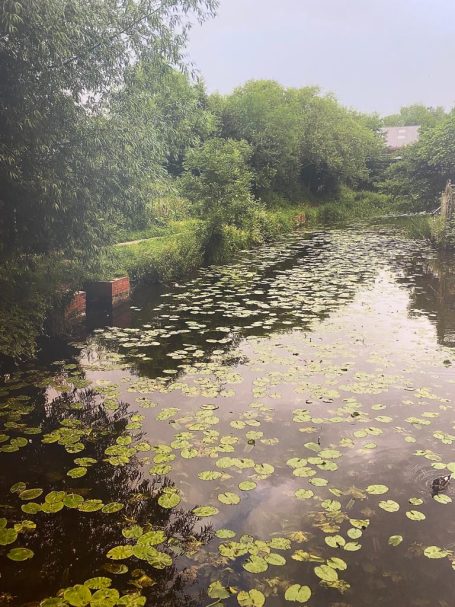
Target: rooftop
x,y
399,136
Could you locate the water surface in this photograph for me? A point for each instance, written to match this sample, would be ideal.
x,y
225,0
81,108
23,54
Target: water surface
x,y
270,423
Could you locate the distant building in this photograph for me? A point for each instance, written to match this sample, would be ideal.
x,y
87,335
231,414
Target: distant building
x,y
397,137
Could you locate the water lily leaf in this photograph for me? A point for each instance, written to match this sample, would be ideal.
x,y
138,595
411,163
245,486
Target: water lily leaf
x,y
415,501
389,505
30,494
132,600
90,505
337,563
78,595
331,505
112,507
72,500
120,552
225,534
51,507
255,564
229,498
152,538
297,593
216,590
264,469
377,489
442,498
135,531
303,494
210,475
247,485
203,511
169,500
20,554
77,472
275,559
55,496
326,573
415,515
252,598
352,546
335,541
354,533
435,552
31,508
96,583
105,597
7,536
395,540
280,543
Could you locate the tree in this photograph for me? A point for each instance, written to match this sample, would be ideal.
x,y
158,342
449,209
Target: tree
x,y
63,161
420,176
301,141
416,114
217,180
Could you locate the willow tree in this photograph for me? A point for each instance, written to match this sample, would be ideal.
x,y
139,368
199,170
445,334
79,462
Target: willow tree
x,y
63,162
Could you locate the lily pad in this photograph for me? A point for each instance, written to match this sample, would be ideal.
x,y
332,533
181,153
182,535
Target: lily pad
x,y
298,594
252,598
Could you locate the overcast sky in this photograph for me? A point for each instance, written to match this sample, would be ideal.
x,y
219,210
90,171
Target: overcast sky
x,y
375,55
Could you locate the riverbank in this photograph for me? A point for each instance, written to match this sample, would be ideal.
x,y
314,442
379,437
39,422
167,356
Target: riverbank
x,y
184,247
34,294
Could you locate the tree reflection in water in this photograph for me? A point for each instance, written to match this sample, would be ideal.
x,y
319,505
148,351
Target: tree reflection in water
x,y
70,546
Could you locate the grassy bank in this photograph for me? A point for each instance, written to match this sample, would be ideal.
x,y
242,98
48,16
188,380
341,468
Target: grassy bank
x,y
36,293
182,246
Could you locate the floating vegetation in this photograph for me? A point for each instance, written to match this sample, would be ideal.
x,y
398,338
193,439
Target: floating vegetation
x,y
269,434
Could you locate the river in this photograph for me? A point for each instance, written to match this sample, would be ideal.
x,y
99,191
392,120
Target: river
x,y
265,432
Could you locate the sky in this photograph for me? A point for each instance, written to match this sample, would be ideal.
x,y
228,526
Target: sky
x,y
374,55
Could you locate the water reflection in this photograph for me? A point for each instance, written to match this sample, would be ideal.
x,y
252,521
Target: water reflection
x,y
301,394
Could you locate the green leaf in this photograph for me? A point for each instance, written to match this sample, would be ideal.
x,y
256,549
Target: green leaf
x,y
77,472
275,559
326,573
377,489
20,554
415,515
203,511
30,494
247,485
441,498
389,505
435,552
210,475
120,552
298,594
303,494
132,600
105,597
337,563
78,595
229,498
7,536
352,546
96,583
415,501
255,564
112,507
252,598
225,534
169,500
216,590
395,540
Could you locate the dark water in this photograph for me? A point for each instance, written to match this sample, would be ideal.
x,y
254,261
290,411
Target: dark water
x,y
321,365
